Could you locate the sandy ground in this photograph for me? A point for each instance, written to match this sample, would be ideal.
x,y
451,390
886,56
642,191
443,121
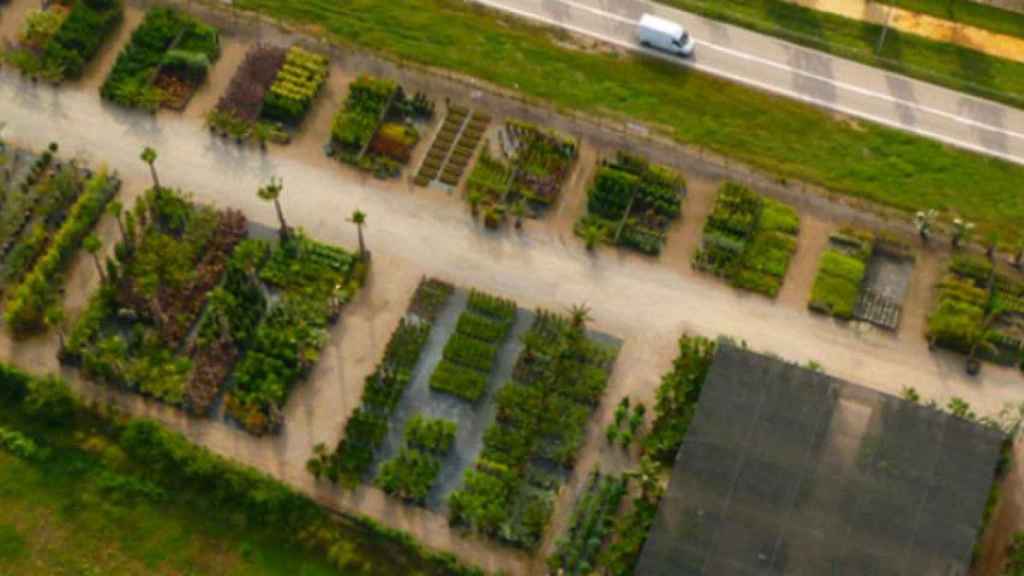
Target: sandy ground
x,y
413,232
991,43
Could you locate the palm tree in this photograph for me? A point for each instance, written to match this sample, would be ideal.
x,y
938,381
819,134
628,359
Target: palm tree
x,y
272,193
923,221
149,156
92,245
359,219
579,316
961,231
648,476
592,234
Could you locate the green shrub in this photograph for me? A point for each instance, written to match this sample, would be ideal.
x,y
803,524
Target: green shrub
x,y
470,353
27,307
677,398
482,328
431,434
465,383
410,475
49,400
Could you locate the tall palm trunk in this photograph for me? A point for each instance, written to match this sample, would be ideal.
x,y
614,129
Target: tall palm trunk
x,y
280,218
156,181
362,245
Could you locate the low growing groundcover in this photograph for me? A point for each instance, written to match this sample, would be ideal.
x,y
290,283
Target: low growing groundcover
x,y
184,305
97,496
786,138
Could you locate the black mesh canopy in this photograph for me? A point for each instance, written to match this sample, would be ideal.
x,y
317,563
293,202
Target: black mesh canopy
x,y
789,471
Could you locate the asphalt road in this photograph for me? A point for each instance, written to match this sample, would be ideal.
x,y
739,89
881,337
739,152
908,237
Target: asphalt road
x,y
780,67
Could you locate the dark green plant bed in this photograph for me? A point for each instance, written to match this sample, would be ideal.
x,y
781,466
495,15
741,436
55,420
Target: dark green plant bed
x,y
183,265
749,240
542,417
632,203
164,62
367,428
62,53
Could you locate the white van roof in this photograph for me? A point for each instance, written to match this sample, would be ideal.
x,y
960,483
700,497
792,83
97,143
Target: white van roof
x,y
661,25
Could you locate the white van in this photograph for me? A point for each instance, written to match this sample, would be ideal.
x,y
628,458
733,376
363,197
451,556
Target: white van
x,y
664,35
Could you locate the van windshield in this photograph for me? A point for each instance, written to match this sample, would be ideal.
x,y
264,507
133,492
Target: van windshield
x,y
684,38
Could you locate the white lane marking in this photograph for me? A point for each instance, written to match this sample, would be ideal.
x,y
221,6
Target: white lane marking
x,y
496,4
825,79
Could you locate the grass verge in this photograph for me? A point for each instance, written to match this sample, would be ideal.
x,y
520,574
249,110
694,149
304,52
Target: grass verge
x,y
967,12
93,495
942,63
784,137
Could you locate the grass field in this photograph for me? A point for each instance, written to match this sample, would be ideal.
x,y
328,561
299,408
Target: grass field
x,y
787,138
936,62
87,509
967,12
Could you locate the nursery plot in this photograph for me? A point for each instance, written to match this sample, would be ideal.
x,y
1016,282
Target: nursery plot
x,y
862,277
367,427
748,240
541,420
979,311
388,452
58,40
45,216
164,63
632,203
593,519
270,94
453,148
189,302
378,126
525,175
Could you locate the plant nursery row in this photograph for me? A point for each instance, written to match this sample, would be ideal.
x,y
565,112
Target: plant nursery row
x,y
164,63
270,93
749,240
367,427
378,126
188,304
48,209
59,40
979,310
541,418
632,203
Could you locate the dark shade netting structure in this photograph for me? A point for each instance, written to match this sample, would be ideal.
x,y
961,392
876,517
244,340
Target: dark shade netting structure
x,y
788,471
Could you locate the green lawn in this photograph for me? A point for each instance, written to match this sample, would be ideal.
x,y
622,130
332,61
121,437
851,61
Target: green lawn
x,y
787,138
936,62
89,509
57,519
968,12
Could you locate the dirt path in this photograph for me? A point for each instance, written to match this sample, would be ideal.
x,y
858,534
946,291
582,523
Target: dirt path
x,y
412,232
991,43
